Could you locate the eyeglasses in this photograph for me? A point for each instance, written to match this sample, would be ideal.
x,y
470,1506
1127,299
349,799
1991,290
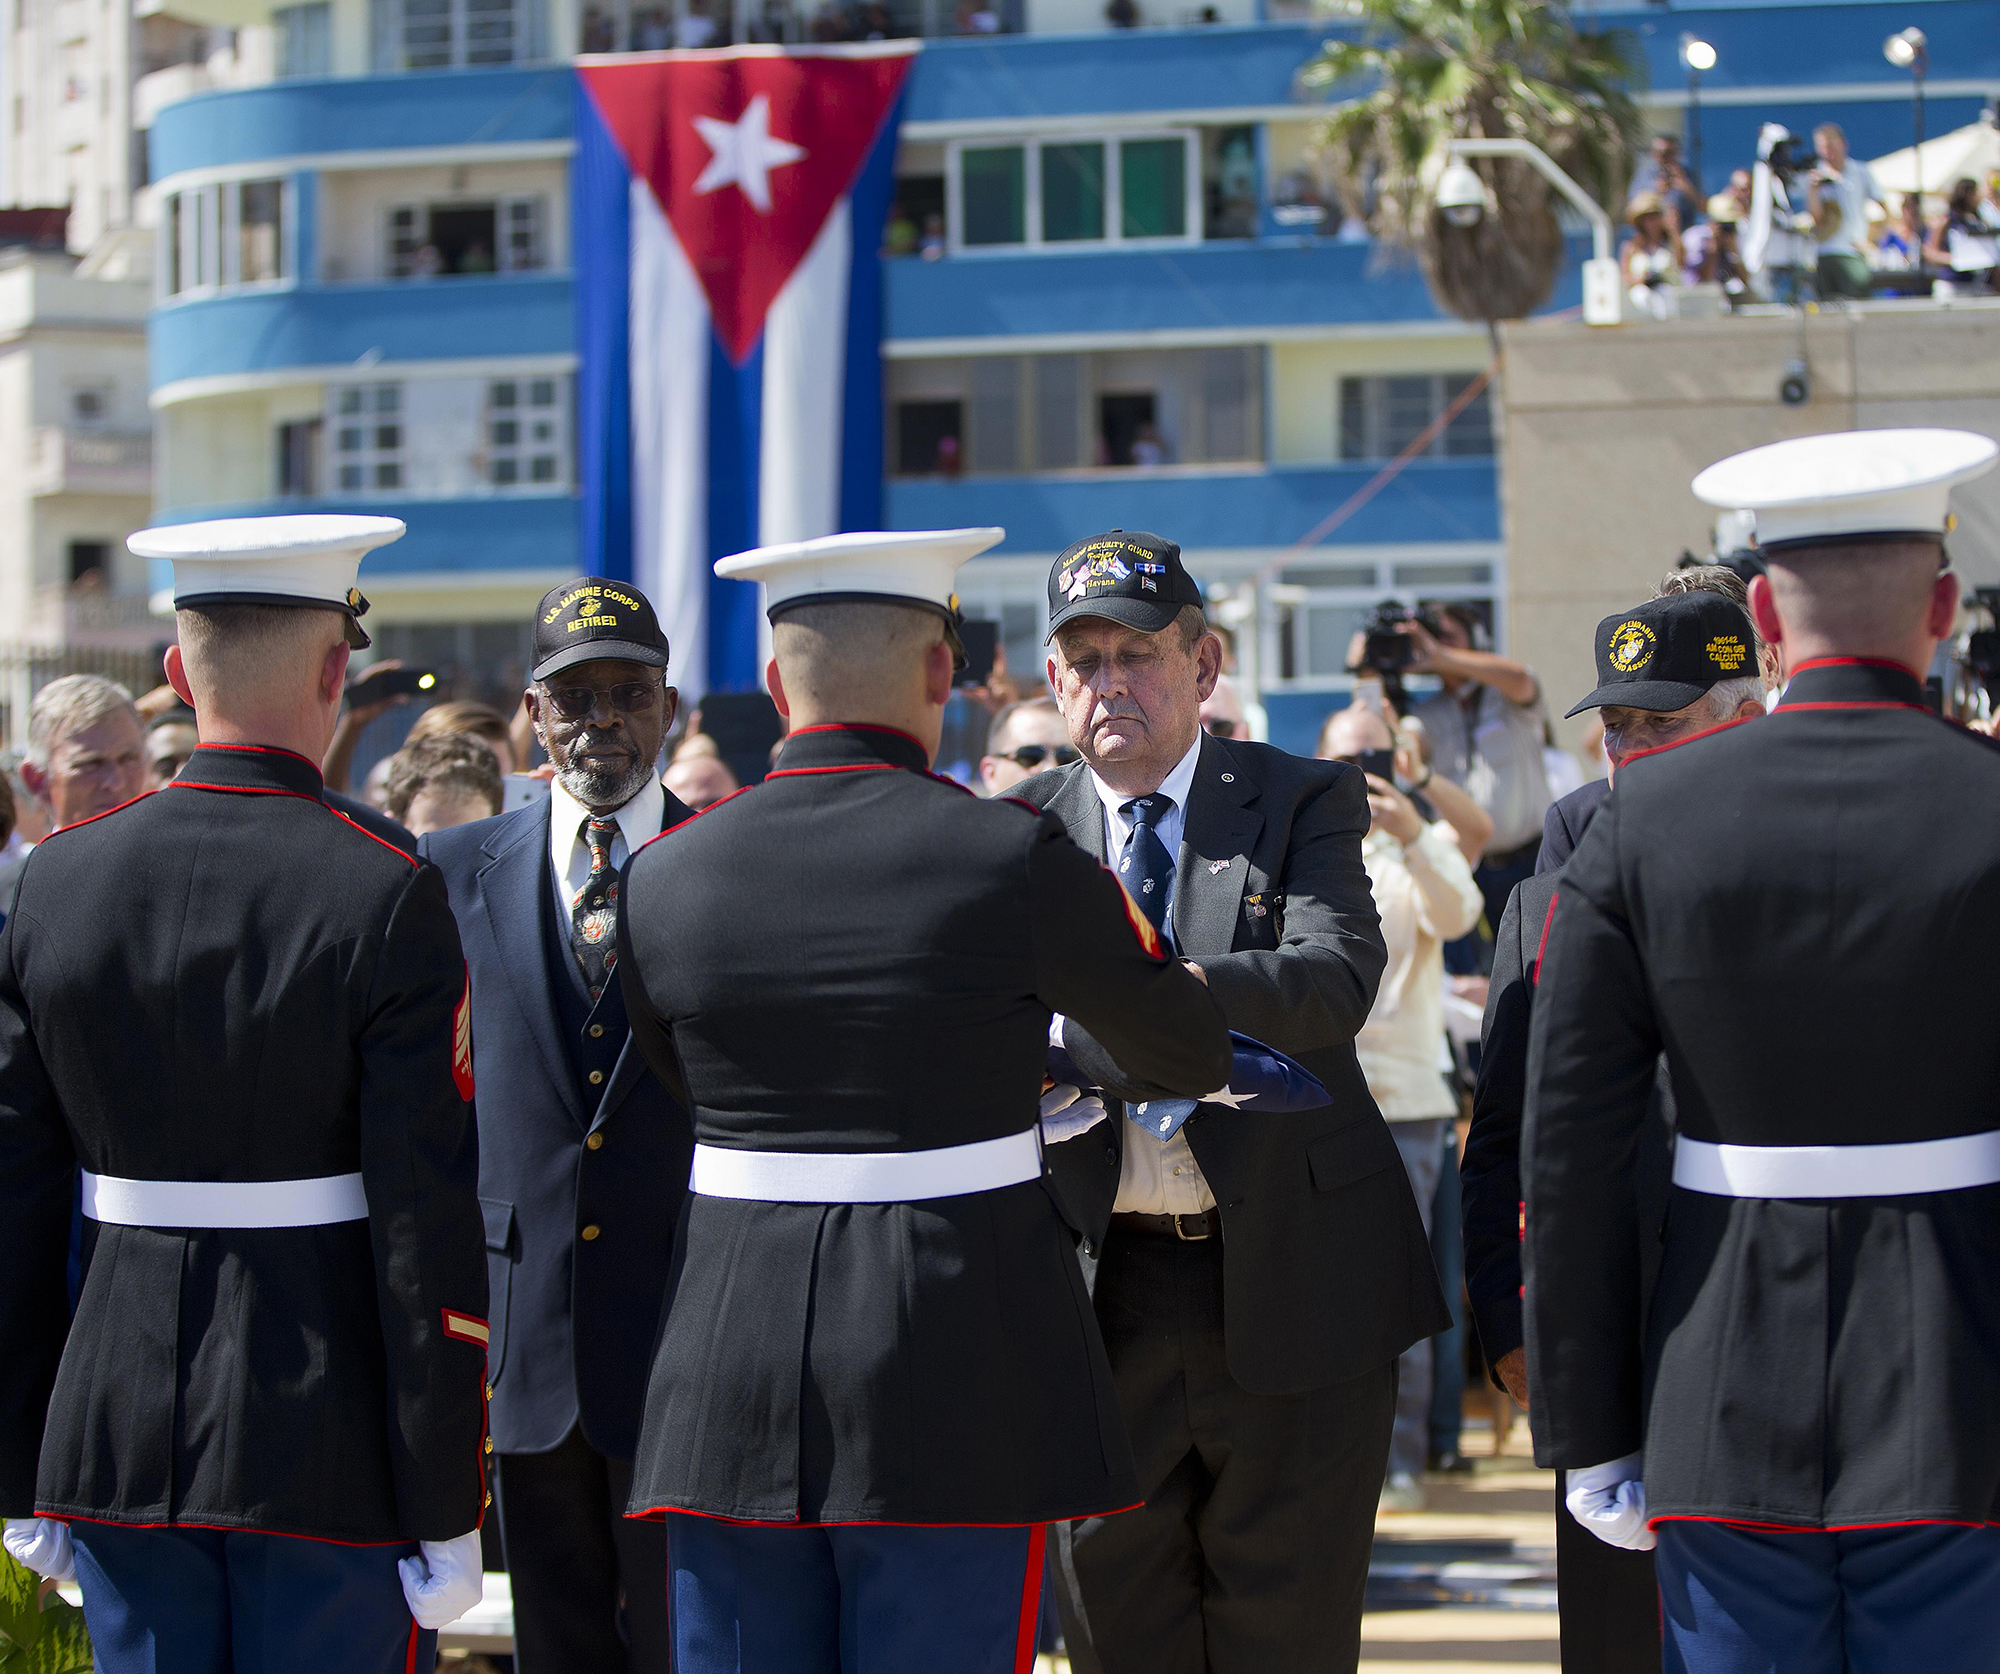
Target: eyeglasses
x,y
1219,728
578,703
1033,755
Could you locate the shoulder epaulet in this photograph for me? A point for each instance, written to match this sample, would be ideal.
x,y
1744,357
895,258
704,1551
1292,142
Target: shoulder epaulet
x,y
682,825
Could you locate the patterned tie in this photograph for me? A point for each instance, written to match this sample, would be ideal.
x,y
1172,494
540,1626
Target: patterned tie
x,y
1146,871
593,925
1147,868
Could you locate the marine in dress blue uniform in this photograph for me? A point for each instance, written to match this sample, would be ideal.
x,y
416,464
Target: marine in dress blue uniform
x,y
583,1156
1799,913
245,1020
879,1378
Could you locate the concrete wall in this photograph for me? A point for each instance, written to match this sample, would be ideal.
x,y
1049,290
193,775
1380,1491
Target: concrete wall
x,y
1604,428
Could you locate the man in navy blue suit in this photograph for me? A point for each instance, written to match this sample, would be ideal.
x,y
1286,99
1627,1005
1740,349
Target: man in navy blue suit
x,y
583,1156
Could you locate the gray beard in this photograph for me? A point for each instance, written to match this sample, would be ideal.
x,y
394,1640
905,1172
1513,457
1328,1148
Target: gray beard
x,y
599,789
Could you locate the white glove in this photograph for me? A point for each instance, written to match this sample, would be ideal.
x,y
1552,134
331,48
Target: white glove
x,y
1066,1112
42,1545
1610,1501
443,1583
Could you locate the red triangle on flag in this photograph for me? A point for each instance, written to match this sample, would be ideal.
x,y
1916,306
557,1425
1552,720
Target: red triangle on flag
x,y
746,152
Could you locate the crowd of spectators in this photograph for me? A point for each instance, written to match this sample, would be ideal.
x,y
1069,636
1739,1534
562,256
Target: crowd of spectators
x,y
1834,234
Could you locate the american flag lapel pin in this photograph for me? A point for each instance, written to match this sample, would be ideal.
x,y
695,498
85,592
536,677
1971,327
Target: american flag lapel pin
x,y
1215,866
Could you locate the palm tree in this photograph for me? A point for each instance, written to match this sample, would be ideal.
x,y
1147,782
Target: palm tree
x,y
1440,70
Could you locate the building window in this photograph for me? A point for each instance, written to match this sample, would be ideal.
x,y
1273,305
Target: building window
x,y
1075,192
433,241
527,433
305,39
299,459
1380,418
90,406
89,563
455,34
368,441
1114,409
235,233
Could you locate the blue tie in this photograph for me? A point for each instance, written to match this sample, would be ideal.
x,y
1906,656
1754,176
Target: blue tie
x,y
1147,869
1146,872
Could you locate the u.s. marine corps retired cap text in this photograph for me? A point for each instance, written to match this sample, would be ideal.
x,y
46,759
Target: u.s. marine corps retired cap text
x,y
591,619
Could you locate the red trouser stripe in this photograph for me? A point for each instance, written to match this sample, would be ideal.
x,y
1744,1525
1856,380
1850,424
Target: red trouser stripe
x,y
1031,1601
410,1656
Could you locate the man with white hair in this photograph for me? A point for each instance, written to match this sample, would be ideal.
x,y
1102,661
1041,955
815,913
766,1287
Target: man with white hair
x,y
86,755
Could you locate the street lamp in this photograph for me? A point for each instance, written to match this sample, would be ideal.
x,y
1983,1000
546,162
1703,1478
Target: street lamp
x,y
1910,49
1462,205
1698,56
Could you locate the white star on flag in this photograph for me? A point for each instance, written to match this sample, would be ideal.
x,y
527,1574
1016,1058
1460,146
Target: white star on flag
x,y
744,153
1235,1101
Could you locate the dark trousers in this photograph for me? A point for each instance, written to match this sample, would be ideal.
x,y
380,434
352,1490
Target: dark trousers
x,y
1250,1555
210,1601
590,1584
1917,1599
1608,1599
864,1598
1448,1347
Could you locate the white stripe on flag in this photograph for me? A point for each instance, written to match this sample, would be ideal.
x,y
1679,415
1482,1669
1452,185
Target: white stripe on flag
x,y
670,336
805,358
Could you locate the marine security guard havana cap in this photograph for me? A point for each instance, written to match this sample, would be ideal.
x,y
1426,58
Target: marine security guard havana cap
x,y
1133,579
590,620
312,561
1853,485
912,567
1665,653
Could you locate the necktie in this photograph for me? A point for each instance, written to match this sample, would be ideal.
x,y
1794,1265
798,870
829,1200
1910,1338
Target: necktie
x,y
593,923
1147,868
1146,871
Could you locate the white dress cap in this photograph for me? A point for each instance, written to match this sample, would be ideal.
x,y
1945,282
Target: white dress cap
x,y
912,566
1848,485
311,560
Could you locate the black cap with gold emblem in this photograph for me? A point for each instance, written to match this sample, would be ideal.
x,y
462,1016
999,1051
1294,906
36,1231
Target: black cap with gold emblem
x,y
1665,653
1134,579
589,620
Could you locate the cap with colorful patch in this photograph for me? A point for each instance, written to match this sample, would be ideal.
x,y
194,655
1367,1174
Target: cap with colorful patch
x,y
1665,653
1133,579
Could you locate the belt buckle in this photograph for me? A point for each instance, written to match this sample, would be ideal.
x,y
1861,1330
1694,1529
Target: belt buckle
x,y
1186,1237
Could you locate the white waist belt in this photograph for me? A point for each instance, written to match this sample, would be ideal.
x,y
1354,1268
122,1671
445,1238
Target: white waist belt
x,y
867,1176
224,1203
1926,1165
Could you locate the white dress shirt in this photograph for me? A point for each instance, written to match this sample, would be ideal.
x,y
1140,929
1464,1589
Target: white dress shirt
x,y
1158,1176
1426,897
639,821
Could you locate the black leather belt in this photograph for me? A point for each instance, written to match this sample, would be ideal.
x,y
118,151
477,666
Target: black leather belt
x,y
1189,1229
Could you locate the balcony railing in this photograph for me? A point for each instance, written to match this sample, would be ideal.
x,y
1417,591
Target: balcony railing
x,y
66,461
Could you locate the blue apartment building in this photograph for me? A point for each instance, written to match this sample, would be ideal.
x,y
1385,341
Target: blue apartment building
x,y
1138,305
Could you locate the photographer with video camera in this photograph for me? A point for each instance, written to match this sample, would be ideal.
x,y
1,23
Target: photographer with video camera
x,y
1485,726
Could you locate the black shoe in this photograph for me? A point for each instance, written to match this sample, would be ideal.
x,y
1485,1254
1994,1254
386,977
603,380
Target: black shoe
x,y
1450,1464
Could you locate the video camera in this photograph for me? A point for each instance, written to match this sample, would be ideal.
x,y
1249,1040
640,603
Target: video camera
x,y
1385,650
1791,158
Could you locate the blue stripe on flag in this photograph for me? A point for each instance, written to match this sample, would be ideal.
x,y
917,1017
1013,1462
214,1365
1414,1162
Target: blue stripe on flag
x,y
735,443
601,222
861,402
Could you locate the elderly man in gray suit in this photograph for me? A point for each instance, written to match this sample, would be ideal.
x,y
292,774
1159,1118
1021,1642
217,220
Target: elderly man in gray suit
x,y
1255,1276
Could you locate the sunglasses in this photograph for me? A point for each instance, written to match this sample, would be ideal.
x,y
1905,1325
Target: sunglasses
x,y
1219,728
1033,755
578,703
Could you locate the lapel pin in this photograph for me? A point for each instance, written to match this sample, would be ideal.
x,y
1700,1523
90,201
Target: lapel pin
x,y
1229,778
1215,866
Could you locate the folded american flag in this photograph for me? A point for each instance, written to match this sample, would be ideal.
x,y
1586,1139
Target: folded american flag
x,y
1261,1079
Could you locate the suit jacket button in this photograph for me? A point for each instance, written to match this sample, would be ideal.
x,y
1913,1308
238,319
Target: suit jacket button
x,y
594,1142
590,1234
596,1029
489,1444
596,1076
1110,1153
1089,1248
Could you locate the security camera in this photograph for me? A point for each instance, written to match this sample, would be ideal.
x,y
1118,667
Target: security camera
x,y
1461,195
1795,387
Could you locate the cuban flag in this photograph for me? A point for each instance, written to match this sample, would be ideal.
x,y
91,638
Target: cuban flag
x,y
728,212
